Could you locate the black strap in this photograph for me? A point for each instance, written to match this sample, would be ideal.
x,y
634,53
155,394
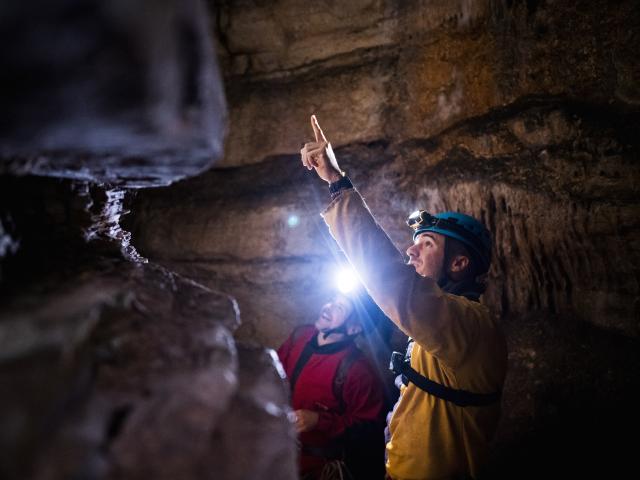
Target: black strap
x,y
304,357
340,377
461,398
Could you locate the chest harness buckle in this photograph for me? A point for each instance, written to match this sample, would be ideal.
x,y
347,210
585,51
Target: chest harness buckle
x,y
462,398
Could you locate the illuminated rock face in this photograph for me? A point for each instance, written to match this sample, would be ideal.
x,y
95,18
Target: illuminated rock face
x,y
402,70
544,178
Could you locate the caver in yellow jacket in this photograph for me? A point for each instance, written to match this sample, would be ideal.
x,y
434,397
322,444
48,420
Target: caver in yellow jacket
x,y
457,344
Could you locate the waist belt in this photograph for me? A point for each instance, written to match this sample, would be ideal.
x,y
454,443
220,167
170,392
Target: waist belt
x,y
461,398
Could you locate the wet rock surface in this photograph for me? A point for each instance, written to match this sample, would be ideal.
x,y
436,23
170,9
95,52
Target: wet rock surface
x,y
121,335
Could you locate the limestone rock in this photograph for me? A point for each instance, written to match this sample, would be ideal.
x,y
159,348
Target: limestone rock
x,y
403,70
113,367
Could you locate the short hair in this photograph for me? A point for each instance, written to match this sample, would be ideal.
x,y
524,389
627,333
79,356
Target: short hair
x,y
454,247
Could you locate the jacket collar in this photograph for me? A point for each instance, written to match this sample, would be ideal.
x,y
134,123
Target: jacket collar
x,y
468,289
330,347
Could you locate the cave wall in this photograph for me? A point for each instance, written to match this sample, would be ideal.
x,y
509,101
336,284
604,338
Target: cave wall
x,y
543,193
401,70
524,114
112,366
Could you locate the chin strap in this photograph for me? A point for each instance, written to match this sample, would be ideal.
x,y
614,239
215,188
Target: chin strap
x,y
341,329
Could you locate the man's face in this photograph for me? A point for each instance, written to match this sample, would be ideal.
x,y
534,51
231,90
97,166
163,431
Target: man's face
x,y
427,254
334,313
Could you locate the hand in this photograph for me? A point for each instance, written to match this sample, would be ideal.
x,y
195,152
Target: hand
x,y
306,420
319,155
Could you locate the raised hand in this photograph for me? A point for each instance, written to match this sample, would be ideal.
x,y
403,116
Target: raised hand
x,y
319,155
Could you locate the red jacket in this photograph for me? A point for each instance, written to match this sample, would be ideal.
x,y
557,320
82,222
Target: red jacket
x,y
314,390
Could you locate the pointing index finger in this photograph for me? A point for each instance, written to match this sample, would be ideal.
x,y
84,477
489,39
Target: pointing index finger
x,y
317,130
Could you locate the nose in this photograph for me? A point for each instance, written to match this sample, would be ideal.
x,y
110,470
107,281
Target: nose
x,y
411,251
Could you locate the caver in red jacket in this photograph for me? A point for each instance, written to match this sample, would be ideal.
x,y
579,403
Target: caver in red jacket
x,y
314,389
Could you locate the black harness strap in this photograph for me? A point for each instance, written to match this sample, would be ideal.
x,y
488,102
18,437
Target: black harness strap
x,y
304,357
341,375
461,398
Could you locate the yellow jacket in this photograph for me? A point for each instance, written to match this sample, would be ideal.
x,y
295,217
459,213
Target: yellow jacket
x,y
457,343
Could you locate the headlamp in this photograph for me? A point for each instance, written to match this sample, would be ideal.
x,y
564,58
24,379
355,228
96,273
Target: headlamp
x,y
458,226
346,280
422,219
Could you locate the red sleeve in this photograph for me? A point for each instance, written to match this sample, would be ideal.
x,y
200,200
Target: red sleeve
x,y
363,399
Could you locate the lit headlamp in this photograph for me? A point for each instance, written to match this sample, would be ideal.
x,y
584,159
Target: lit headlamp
x,y
346,280
458,226
422,219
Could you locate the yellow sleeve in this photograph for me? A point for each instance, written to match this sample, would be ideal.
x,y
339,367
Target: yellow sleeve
x,y
444,325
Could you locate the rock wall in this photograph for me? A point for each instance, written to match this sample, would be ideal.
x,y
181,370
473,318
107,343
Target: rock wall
x,y
113,367
109,92
543,189
401,70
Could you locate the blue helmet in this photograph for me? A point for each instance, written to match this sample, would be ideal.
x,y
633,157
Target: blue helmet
x,y
464,228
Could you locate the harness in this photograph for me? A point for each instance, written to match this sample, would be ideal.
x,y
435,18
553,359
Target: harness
x,y
340,376
400,365
334,450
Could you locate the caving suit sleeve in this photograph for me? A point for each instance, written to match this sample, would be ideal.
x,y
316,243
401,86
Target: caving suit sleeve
x,y
415,304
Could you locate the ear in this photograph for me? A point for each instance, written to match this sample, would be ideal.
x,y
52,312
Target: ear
x,y
458,263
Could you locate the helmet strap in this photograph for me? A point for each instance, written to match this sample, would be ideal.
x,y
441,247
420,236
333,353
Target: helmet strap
x,y
341,329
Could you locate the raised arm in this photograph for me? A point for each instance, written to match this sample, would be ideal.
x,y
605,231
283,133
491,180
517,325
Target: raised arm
x,y
415,304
